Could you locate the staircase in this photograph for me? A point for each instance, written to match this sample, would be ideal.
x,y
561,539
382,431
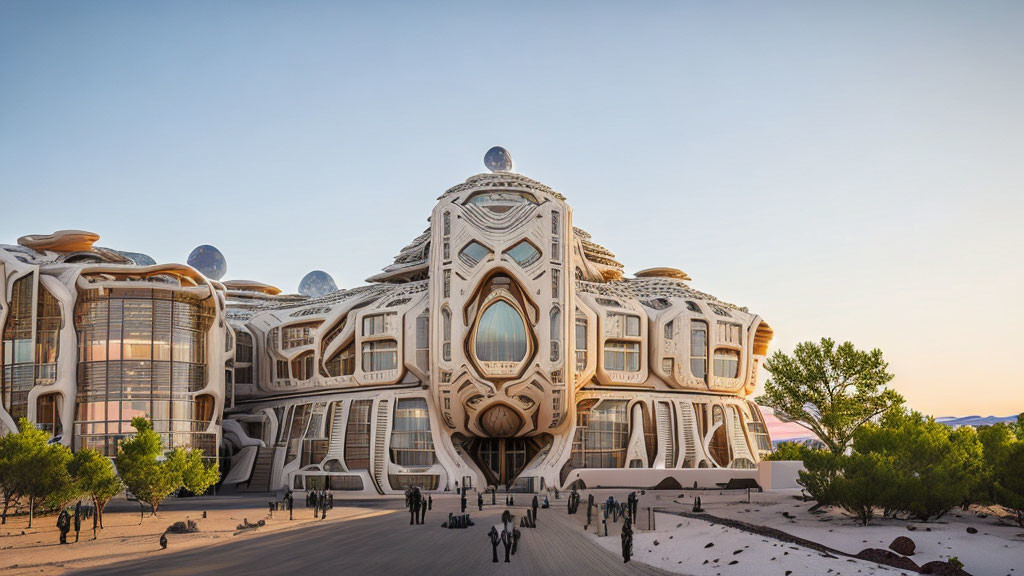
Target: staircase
x,y
689,426
379,453
337,440
259,481
666,437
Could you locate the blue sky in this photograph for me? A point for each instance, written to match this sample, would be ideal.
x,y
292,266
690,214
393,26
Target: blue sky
x,y
849,170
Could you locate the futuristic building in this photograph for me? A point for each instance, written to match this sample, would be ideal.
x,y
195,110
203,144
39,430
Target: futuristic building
x,y
501,347
92,338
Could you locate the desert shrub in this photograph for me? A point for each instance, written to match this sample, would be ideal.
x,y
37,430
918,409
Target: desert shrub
x,y
821,468
912,465
788,451
1003,476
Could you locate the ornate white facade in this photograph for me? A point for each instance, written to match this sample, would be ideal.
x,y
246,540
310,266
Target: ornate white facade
x,y
503,346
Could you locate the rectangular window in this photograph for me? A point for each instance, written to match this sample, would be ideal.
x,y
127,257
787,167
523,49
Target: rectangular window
x,y
581,342
669,330
374,324
632,326
699,349
667,365
357,436
728,332
380,355
447,283
555,276
727,363
447,250
622,356
447,223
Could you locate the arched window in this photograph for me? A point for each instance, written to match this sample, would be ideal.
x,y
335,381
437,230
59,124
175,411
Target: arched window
x,y
501,334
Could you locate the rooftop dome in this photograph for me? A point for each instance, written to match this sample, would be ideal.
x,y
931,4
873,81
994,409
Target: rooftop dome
x,y
498,159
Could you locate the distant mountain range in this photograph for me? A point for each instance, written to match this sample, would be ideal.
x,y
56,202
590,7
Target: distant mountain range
x,y
957,421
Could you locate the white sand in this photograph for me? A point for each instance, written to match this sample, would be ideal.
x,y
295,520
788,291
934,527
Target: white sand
x,y
997,548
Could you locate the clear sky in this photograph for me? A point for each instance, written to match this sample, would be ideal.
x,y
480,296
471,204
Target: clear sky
x,y
851,170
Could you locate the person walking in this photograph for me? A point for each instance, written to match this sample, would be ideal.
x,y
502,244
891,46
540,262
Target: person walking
x,y
480,501
64,525
290,502
493,535
534,505
627,540
78,518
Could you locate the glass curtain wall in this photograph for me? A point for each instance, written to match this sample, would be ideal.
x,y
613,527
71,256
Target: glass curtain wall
x,y
142,352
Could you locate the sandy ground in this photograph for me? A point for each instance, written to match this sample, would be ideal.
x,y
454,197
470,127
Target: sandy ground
x,y
996,549
37,550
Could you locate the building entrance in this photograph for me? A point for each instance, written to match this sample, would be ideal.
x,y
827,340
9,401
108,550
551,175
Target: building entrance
x,y
502,459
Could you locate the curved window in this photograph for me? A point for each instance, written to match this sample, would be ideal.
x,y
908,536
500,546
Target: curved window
x,y
556,334
523,253
473,253
142,352
411,442
501,334
581,341
622,356
343,363
727,363
380,355
699,349
446,334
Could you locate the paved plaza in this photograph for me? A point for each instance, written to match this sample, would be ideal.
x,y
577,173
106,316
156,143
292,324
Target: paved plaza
x,y
387,544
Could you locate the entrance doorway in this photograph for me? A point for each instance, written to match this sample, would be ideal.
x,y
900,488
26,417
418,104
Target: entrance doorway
x,y
502,459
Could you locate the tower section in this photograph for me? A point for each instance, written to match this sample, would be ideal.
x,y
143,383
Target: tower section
x,y
500,314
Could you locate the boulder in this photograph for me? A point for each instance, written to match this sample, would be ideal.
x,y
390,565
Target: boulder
x,y
888,558
903,545
940,568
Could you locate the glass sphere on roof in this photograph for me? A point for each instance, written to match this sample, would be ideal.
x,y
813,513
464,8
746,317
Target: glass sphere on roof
x,y
209,261
138,258
316,284
498,159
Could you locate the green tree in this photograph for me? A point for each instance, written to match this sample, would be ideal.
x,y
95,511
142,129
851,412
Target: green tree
x,y
95,475
1004,469
788,451
140,466
195,475
8,474
38,469
151,479
911,465
830,390
867,481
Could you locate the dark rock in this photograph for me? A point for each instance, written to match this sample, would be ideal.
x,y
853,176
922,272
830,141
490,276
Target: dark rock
x,y
940,568
972,530
709,544
888,558
656,542
903,545
734,562
911,528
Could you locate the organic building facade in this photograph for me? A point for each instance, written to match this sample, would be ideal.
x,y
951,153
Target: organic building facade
x,y
501,347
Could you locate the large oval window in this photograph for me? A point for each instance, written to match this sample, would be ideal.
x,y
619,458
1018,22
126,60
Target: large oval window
x,y
501,334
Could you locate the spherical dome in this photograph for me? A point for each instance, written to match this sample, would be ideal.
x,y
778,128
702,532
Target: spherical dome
x,y
498,159
138,258
316,284
208,261
501,421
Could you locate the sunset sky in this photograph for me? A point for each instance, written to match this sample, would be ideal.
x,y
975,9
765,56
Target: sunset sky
x,y
852,171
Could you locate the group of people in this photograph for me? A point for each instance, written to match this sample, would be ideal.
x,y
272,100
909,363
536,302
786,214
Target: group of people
x,y
508,537
320,501
66,521
418,505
